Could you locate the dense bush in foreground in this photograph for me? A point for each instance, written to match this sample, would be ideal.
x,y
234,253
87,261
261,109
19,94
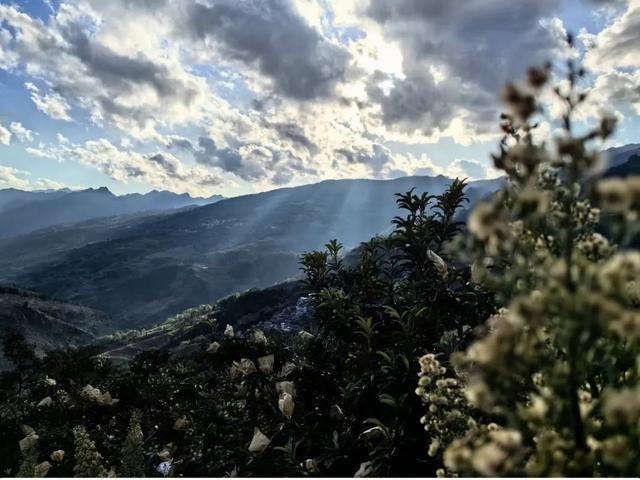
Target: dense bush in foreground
x,y
335,400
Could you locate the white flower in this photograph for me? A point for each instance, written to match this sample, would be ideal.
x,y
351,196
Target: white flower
x,y
95,395
242,368
28,442
434,447
622,406
259,442
305,336
45,402
213,347
50,382
286,387
266,364
439,264
259,338
228,331
311,465
488,459
164,468
57,456
286,404
364,470
41,469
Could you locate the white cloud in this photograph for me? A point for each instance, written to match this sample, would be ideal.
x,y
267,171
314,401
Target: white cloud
x,y
161,170
5,136
21,132
617,46
53,105
285,91
13,178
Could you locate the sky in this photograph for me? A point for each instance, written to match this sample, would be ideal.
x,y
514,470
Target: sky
x,y
238,96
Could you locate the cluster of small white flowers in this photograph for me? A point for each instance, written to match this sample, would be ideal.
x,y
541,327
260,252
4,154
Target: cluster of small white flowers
x,y
621,269
595,247
443,395
488,224
622,407
95,395
620,195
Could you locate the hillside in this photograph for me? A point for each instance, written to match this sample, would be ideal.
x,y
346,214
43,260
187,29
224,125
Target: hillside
x,y
280,308
630,167
24,252
165,265
24,212
48,323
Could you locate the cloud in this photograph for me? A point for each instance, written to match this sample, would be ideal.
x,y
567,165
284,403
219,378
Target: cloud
x,y
617,46
471,169
13,178
206,152
273,38
21,132
54,105
127,88
287,91
161,170
456,59
294,133
614,92
5,136
375,157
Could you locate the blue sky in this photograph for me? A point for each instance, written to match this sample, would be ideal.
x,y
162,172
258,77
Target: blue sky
x,y
237,96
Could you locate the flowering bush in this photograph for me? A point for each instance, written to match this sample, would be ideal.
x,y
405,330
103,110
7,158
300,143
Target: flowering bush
x,y
550,386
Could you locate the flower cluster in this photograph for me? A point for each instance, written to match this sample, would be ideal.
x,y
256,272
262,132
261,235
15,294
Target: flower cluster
x,y
556,367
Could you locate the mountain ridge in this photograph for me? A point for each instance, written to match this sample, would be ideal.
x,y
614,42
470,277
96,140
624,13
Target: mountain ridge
x,y
23,212
169,263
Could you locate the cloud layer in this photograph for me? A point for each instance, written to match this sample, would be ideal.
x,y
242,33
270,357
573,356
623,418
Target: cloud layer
x,y
249,94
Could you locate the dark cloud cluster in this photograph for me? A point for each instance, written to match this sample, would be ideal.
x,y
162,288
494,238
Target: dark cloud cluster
x,y
476,46
375,158
82,70
206,152
301,63
294,133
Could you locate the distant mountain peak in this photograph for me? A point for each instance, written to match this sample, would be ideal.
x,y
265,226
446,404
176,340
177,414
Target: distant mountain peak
x,y
101,190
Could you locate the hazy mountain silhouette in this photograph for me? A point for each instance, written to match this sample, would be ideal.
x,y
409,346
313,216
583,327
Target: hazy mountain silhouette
x,y
144,270
616,156
23,212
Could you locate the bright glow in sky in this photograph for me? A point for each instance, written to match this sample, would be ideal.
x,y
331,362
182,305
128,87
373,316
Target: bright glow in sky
x,y
237,96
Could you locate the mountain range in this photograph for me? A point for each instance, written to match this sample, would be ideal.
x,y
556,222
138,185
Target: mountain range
x,y
23,212
143,267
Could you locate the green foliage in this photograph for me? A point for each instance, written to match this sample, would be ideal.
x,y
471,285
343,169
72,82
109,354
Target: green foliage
x,y
88,460
28,464
133,453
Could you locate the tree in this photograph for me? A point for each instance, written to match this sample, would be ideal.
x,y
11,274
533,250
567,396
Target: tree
x,y
133,455
19,353
88,460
